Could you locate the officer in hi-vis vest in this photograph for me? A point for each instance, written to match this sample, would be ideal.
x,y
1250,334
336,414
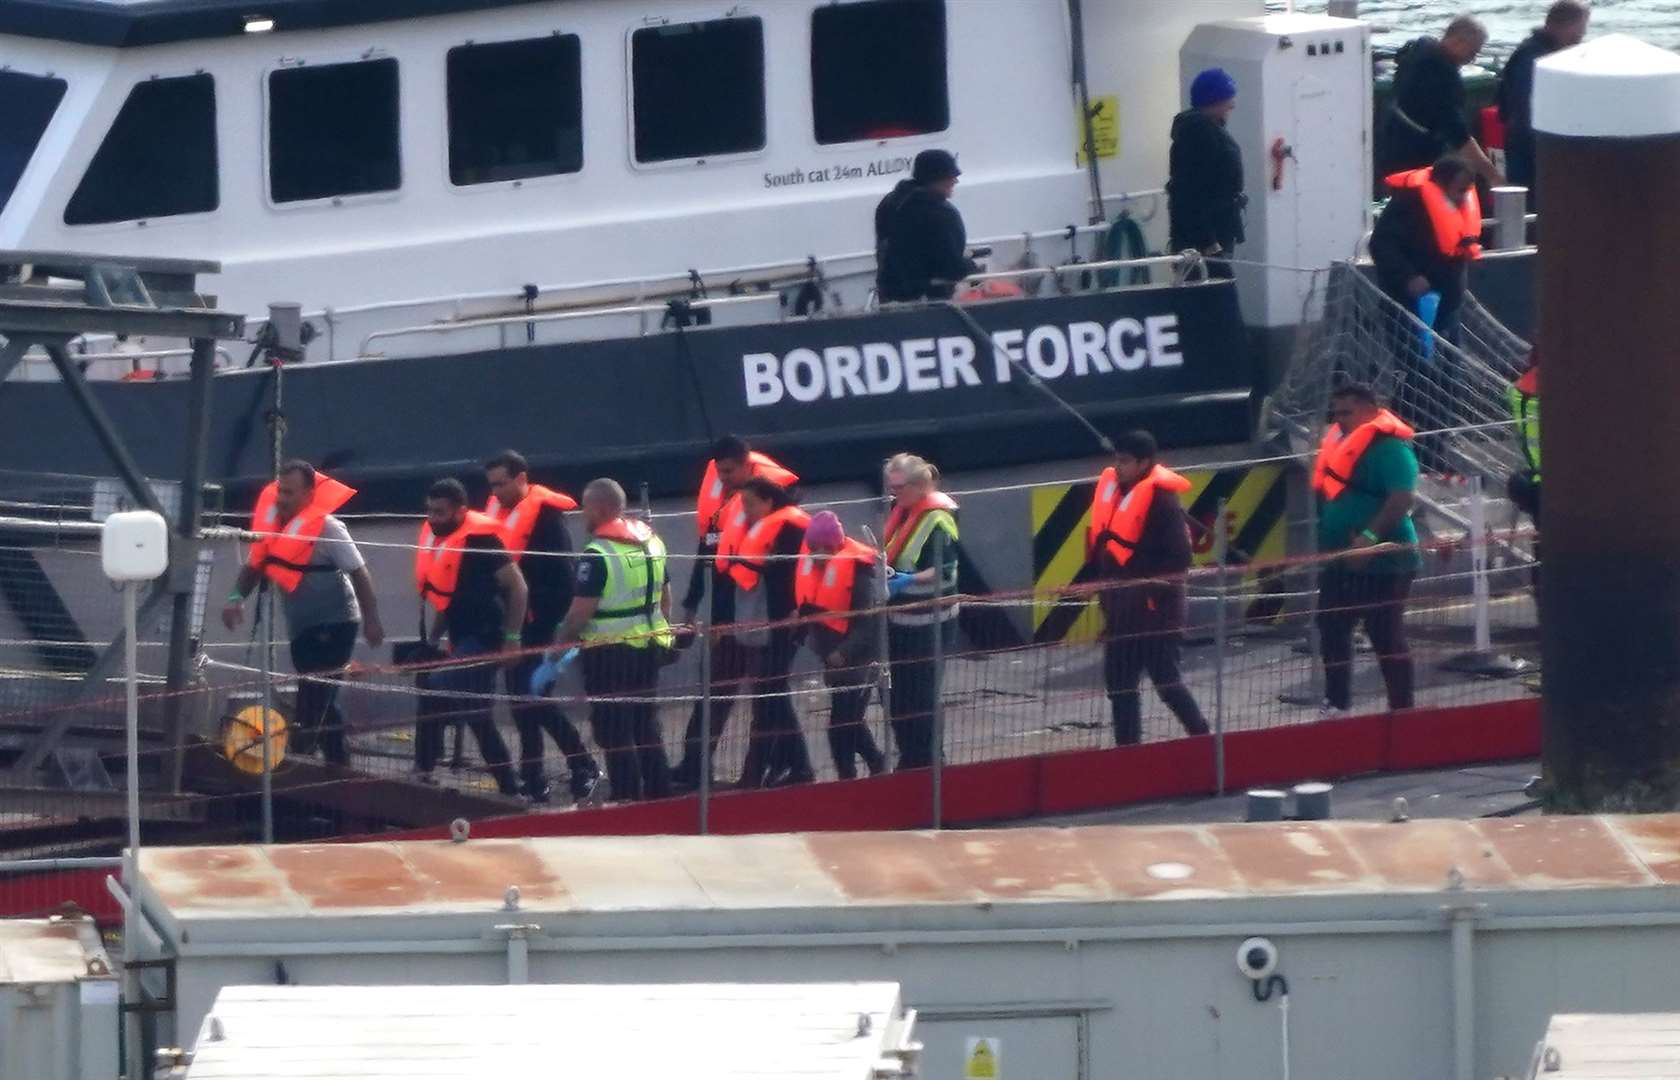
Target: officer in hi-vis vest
x,y
922,555
620,620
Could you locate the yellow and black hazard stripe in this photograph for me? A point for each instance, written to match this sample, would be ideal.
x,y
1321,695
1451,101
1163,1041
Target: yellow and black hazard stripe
x,y
1255,499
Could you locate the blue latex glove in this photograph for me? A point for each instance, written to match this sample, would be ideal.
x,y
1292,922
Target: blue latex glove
x,y
1428,307
548,672
897,584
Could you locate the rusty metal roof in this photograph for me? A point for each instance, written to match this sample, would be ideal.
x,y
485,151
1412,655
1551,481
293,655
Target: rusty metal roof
x,y
1081,865
56,950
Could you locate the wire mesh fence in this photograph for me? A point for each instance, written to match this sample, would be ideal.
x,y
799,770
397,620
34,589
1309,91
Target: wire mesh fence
x,y
373,747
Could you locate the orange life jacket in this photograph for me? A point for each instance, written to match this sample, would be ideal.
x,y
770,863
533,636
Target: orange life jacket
x,y
625,531
825,590
1338,454
518,522
713,510
902,521
283,555
742,556
1117,518
1529,384
1458,229
437,563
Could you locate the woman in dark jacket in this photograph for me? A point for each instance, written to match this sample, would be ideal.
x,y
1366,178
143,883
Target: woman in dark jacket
x,y
1205,197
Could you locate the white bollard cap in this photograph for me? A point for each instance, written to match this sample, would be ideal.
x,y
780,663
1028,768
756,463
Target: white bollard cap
x,y
1614,87
134,546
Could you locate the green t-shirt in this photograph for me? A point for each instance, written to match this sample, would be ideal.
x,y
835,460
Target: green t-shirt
x,y
1387,465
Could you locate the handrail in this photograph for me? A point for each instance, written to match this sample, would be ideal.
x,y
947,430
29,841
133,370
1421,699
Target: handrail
x,y
560,316
148,354
333,314
1078,268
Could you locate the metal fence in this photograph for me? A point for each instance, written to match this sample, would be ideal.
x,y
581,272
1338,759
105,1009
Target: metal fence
x,y
1250,661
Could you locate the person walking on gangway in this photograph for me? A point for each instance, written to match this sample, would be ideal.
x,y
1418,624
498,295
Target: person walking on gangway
x,y
478,596
838,595
1139,539
1364,477
533,520
922,554
305,552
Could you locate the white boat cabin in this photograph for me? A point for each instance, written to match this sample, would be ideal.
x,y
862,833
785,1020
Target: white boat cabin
x,y
400,162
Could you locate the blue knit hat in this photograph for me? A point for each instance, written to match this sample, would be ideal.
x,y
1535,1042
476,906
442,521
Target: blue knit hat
x,y
1212,87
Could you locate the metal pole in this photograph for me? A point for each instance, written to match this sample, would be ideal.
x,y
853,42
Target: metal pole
x,y
705,630
647,504
1510,210
134,1041
265,612
1479,566
1316,680
1221,546
884,631
939,679
184,559
1464,989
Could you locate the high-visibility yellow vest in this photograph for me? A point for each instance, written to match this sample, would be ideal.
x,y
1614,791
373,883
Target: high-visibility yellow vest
x,y
630,611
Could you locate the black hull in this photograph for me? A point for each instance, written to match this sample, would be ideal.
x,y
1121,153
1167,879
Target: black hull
x,y
645,409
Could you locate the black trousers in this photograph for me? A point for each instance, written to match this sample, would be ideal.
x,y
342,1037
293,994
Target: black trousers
x,y
1140,642
475,683
319,724
849,737
627,731
915,688
1347,598
533,718
729,666
777,750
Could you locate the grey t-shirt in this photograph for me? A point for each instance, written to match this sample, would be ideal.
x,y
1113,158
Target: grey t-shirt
x,y
324,595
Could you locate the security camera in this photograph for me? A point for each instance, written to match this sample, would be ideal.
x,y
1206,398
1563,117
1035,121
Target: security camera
x,y
1257,958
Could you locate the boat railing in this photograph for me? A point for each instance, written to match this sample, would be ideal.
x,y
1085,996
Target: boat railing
x,y
639,310
778,274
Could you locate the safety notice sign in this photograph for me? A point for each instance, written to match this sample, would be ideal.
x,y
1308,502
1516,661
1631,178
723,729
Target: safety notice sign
x,y
1105,128
983,1059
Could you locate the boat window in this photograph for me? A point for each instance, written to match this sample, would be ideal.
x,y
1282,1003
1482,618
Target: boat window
x,y
27,104
698,89
332,130
515,110
158,159
878,70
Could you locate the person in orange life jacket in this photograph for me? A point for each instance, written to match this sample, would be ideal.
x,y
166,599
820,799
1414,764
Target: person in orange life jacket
x,y
325,588
533,520
717,510
923,554
763,562
1422,246
836,589
1139,538
620,619
465,575
1364,478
